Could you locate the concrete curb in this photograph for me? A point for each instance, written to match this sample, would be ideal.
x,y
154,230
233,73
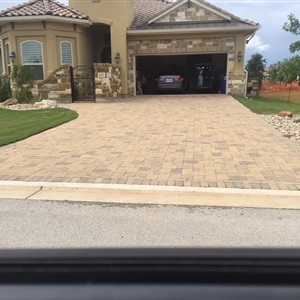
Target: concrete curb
x,y
141,194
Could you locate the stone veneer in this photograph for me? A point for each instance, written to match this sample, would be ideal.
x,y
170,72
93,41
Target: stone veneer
x,y
235,81
107,81
57,86
190,12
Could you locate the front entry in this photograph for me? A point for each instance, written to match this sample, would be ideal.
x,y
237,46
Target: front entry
x,y
83,83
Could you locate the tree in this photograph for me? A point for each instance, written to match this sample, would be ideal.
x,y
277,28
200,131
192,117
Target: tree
x,y
286,71
293,26
255,66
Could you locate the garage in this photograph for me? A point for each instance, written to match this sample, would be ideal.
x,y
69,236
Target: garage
x,y
202,44
205,73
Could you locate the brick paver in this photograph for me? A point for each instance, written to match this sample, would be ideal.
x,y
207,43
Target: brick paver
x,y
198,141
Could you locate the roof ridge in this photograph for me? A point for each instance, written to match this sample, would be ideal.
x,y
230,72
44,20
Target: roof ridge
x,y
226,12
48,10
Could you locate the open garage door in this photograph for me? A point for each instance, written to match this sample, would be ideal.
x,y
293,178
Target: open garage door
x,y
204,73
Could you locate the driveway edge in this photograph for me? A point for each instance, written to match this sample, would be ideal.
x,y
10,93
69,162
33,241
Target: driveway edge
x,y
142,194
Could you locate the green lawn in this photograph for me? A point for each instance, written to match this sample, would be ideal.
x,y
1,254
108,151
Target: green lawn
x,y
262,105
18,125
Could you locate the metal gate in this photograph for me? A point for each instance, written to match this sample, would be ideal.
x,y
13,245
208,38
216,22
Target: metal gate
x,y
83,83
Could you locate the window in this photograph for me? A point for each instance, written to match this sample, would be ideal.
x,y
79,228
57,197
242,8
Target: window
x,y
32,56
66,53
8,63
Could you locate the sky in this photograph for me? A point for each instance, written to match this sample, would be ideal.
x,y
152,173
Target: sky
x,y
271,41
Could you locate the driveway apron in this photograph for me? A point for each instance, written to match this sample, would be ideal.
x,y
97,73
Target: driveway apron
x,y
181,140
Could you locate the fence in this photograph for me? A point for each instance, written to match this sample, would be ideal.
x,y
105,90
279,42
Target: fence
x,y
280,91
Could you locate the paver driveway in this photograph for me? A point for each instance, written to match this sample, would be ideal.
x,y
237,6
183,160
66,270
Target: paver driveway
x,y
197,140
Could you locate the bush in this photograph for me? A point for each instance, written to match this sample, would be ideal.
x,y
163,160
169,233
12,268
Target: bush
x,y
5,91
24,80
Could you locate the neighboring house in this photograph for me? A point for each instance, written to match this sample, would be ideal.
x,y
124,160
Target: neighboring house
x,y
146,36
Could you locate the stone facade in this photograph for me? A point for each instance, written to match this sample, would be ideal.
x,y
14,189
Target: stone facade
x,y
236,83
253,87
235,80
57,86
107,81
191,13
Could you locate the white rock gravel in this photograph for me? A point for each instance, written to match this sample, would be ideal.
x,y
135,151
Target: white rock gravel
x,y
31,106
286,125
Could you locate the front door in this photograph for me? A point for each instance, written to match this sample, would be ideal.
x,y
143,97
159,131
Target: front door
x,y
83,83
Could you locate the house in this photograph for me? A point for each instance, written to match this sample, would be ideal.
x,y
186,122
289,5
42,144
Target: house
x,y
124,38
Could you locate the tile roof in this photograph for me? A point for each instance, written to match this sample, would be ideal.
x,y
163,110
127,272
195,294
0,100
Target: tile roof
x,y
145,10
42,8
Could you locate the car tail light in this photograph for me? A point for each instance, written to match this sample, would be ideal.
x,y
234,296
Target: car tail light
x,y
159,79
179,79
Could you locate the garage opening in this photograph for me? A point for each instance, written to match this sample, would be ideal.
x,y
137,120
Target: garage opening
x,y
204,73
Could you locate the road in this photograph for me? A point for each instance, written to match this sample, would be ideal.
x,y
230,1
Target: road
x,y
59,224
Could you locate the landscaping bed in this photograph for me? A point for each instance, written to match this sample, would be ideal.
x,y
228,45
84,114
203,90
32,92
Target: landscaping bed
x,y
268,109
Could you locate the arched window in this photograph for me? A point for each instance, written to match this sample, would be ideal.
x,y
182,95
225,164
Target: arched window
x,y
66,53
32,56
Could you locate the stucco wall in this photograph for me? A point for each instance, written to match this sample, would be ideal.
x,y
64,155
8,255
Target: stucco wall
x,y
118,15
50,34
176,46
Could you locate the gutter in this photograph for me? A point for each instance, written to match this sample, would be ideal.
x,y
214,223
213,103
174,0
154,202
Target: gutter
x,y
83,22
192,30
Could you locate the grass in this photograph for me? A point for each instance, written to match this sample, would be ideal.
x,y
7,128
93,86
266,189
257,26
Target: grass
x,y
18,125
261,105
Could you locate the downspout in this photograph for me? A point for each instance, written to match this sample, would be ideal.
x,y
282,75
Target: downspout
x,y
245,94
247,40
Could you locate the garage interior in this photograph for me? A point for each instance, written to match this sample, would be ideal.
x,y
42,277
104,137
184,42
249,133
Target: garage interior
x,y
213,66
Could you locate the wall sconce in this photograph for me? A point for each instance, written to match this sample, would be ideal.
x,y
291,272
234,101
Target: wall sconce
x,y
240,55
117,57
12,56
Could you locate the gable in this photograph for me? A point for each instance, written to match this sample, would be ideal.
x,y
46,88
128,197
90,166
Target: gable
x,y
191,11
185,15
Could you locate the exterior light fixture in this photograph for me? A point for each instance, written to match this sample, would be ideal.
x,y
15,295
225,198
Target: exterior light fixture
x,y
117,57
240,55
12,56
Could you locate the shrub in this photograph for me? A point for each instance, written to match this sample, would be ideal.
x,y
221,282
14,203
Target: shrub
x,y
5,91
24,80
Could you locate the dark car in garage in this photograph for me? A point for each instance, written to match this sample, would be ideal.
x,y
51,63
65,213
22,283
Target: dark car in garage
x,y
169,83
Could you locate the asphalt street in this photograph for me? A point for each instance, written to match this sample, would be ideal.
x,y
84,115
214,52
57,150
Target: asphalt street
x,y
62,224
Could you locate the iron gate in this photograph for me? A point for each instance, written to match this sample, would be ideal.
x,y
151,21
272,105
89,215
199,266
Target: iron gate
x,y
83,83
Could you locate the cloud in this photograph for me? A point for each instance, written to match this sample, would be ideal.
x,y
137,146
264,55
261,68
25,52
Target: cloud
x,y
257,44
